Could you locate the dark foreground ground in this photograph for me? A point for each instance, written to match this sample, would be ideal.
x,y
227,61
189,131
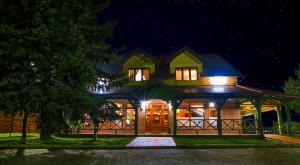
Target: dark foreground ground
x,y
290,156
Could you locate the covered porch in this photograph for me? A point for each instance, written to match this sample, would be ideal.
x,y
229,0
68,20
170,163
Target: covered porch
x,y
203,110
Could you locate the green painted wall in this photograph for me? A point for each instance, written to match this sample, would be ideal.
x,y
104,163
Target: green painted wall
x,y
186,60
172,82
139,61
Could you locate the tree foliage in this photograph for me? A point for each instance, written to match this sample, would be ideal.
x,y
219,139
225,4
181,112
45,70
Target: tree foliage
x,y
292,86
102,112
50,52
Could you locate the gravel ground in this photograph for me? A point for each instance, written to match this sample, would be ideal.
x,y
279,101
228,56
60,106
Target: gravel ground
x,y
253,156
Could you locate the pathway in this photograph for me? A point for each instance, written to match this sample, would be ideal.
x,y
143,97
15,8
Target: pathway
x,y
152,142
283,138
230,156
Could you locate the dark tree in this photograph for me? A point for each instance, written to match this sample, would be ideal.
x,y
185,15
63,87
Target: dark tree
x,y
292,86
102,112
51,50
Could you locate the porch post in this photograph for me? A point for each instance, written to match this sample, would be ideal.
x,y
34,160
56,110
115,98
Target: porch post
x,y
219,121
136,105
175,104
174,121
219,104
258,121
136,119
288,120
279,119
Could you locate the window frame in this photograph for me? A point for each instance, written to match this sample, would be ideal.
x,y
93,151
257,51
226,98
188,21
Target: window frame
x,y
135,72
190,75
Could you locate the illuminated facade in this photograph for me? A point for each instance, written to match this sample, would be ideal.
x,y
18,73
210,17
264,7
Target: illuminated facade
x,y
185,93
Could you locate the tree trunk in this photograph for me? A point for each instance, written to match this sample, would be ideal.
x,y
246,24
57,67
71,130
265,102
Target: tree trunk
x,y
24,126
12,124
95,133
45,125
45,135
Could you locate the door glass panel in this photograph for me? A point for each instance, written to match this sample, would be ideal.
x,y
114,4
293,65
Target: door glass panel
x,y
157,118
148,117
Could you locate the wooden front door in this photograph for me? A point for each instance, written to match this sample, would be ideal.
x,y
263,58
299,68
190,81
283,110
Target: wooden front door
x,y
157,118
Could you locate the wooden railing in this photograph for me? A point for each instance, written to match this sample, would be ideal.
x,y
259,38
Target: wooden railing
x,y
283,127
119,126
196,124
209,126
15,125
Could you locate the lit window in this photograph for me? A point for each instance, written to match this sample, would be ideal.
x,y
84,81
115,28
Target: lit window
x,y
139,74
146,74
212,113
197,113
130,113
131,73
186,74
178,74
182,113
194,75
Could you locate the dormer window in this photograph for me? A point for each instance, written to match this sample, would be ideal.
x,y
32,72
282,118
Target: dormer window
x,y
138,74
187,74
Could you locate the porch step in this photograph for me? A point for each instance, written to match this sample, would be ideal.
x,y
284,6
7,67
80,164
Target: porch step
x,y
151,142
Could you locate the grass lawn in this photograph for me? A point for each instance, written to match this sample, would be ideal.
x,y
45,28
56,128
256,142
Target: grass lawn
x,y
33,141
231,142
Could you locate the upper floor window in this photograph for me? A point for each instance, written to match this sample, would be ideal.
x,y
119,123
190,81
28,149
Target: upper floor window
x,y
186,74
139,74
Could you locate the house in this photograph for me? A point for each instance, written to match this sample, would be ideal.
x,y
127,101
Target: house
x,y
186,93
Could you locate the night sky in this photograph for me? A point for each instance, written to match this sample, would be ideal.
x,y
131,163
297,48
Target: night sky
x,y
261,38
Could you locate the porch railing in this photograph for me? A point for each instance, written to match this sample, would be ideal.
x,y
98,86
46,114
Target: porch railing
x,y
282,127
209,126
119,126
196,124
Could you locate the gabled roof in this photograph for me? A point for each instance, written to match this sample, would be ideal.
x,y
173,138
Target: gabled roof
x,y
213,64
111,68
136,52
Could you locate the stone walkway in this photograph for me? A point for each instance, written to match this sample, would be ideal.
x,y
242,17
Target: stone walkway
x,y
230,156
152,142
283,138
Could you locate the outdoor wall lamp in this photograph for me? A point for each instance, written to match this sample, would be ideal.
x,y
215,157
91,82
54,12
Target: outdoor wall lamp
x,y
170,105
143,105
211,104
